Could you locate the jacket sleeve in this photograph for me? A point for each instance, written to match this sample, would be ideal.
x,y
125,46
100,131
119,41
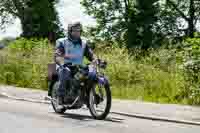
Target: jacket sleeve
x,y
89,53
59,51
59,48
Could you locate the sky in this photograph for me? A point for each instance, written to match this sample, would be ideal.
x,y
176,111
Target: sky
x,y
68,10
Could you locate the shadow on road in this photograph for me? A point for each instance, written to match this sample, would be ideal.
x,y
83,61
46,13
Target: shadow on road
x,y
89,118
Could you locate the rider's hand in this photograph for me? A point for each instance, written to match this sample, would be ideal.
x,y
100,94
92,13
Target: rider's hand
x,y
71,56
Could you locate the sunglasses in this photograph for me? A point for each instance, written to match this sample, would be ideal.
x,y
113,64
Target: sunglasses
x,y
76,29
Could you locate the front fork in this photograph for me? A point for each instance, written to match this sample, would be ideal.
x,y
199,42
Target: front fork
x,y
101,82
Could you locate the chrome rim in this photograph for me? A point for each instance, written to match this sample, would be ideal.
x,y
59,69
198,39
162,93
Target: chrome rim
x,y
98,93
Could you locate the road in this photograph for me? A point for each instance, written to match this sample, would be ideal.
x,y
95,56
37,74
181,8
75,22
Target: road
x,y
26,117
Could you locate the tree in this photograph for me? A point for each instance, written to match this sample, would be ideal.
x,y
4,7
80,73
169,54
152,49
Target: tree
x,y
38,18
128,21
142,18
111,17
187,11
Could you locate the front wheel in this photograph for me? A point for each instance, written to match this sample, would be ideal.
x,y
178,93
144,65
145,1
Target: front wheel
x,y
99,95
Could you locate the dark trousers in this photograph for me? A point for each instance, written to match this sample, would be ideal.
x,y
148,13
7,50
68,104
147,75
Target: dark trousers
x,y
64,75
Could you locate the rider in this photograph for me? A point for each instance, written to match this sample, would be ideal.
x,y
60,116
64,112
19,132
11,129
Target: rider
x,y
72,48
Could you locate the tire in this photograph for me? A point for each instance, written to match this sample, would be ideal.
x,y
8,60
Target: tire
x,y
108,104
53,89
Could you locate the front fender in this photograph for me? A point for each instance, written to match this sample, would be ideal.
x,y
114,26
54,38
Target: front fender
x,y
102,80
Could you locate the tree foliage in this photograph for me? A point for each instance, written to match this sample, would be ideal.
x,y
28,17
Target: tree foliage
x,y
110,16
142,18
143,23
128,21
134,23
38,18
179,17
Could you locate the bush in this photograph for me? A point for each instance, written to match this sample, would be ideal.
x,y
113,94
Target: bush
x,y
191,68
144,79
26,61
6,41
155,76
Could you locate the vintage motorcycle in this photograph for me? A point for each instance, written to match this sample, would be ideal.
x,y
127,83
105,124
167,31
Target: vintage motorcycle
x,y
90,86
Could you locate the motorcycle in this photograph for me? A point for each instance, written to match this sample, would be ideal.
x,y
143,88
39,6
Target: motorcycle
x,y
90,86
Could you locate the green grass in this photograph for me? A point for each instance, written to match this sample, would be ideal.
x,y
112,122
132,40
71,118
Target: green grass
x,y
143,79
26,63
155,77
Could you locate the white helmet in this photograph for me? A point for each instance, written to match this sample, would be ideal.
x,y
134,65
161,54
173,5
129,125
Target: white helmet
x,y
74,26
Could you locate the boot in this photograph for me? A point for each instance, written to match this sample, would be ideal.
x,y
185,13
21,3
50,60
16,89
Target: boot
x,y
60,100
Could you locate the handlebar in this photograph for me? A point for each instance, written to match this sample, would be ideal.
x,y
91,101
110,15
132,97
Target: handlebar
x,y
98,62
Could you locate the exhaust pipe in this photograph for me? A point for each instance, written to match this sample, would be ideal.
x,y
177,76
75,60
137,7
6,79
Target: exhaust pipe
x,y
66,106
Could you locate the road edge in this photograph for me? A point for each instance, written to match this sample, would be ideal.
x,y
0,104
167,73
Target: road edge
x,y
135,115
5,95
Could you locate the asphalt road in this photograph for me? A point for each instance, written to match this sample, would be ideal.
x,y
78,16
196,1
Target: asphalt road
x,y
26,117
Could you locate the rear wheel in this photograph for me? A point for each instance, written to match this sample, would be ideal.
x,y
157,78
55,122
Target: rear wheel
x,y
100,101
54,101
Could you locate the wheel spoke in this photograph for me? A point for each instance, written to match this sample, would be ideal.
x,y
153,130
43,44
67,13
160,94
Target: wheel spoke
x,y
55,99
98,104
